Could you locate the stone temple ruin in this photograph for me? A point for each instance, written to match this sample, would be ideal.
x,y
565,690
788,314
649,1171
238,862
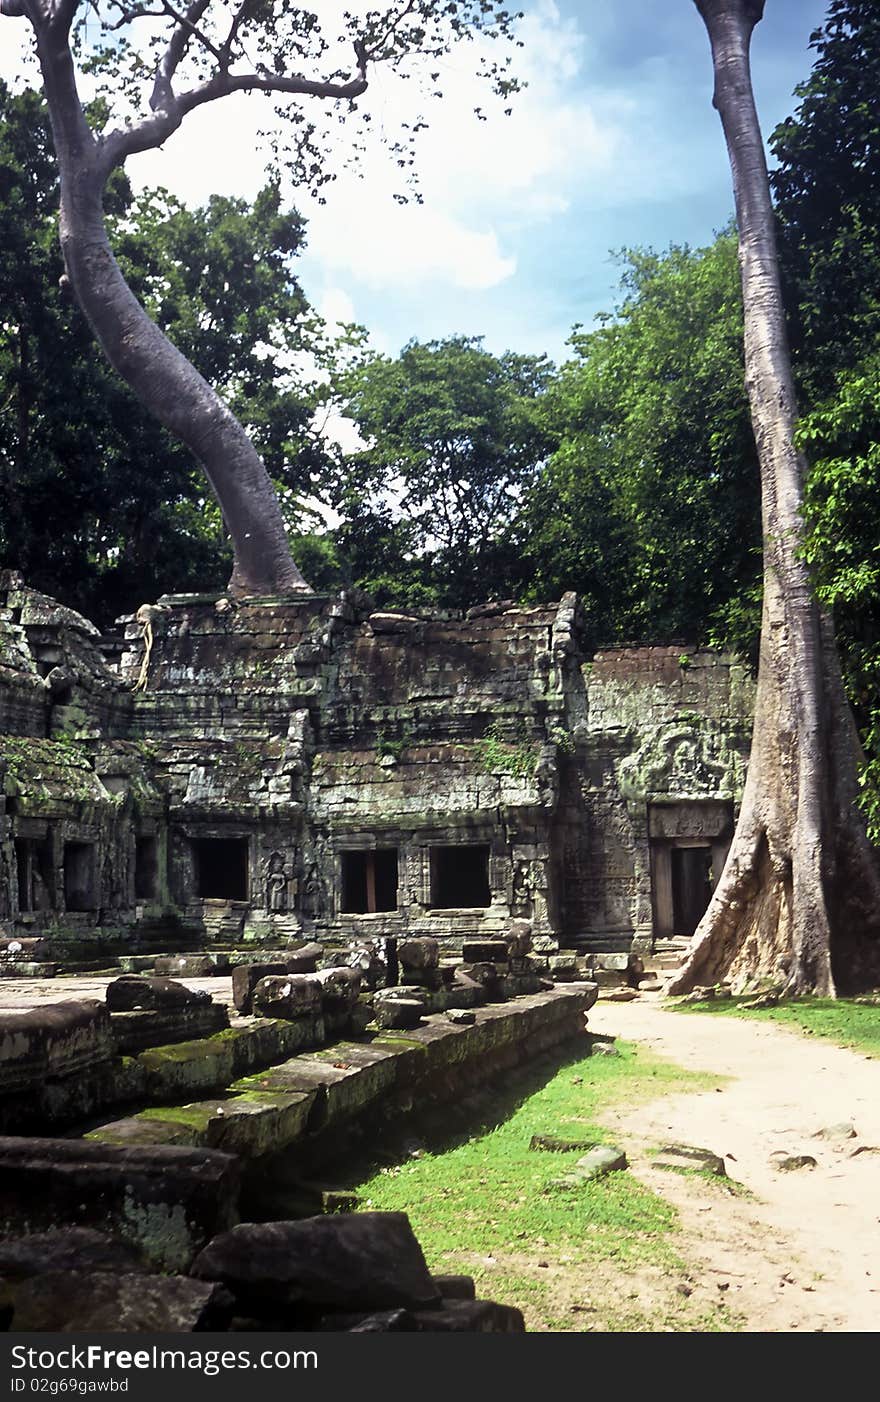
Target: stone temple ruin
x,y
309,767
275,876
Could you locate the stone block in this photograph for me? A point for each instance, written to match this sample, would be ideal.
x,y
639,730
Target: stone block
x,y
471,1317
80,1301
394,1009
185,965
67,1249
135,991
346,1261
687,1158
340,987
415,956
456,1287
288,996
305,959
166,1202
134,1032
245,978
56,1042
518,939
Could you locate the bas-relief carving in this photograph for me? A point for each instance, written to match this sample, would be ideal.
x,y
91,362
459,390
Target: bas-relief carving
x,y
682,760
692,819
280,887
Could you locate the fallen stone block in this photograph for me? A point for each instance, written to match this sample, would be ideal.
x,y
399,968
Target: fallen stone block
x,y
563,968
80,1301
137,1031
340,987
59,1041
166,1202
687,1158
790,1163
399,1008
245,978
456,1287
837,1134
67,1249
461,1017
549,1144
397,1321
288,996
305,959
345,1261
133,991
518,938
186,965
602,1159
418,955
471,1317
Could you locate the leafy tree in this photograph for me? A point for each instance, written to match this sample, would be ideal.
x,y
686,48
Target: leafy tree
x,y
827,186
157,64
101,503
455,434
649,507
799,897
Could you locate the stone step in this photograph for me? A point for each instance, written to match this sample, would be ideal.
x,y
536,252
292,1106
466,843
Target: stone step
x,y
267,1111
27,968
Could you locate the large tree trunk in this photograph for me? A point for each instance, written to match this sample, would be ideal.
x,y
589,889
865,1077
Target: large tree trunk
x,y
164,380
799,898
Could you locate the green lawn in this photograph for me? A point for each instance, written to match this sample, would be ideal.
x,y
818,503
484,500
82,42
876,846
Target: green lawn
x,y
600,1256
841,1020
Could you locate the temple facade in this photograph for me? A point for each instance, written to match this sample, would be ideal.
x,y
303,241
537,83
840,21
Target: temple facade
x,y
222,774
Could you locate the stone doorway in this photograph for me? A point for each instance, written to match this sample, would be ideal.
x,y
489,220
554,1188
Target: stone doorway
x,y
692,886
689,841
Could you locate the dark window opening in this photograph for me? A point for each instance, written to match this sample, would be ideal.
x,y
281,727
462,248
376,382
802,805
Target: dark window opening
x,y
221,868
460,877
369,881
691,887
36,883
146,868
79,876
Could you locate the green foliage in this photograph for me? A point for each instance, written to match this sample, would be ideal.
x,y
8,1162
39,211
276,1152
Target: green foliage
x,y
503,750
650,505
827,188
453,434
827,191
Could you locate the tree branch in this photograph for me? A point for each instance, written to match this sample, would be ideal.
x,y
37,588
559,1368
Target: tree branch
x,y
118,145
163,92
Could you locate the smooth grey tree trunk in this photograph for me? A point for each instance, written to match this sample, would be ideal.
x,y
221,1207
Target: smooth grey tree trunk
x,y
161,377
799,898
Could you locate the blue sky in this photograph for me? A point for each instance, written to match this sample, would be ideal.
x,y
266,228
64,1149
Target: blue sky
x,y
614,142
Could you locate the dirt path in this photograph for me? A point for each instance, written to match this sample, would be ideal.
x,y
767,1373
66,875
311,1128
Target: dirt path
x,y
803,1252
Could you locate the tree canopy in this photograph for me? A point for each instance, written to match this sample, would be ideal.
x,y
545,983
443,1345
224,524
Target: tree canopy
x,y
453,436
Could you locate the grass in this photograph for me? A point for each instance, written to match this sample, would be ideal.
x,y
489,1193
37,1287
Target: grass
x,y
850,1024
483,1203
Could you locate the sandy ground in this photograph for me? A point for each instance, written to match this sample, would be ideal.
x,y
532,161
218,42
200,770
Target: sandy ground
x,y
801,1250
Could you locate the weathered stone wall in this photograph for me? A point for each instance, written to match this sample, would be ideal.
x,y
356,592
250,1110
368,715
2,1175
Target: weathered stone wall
x,y
664,747
312,766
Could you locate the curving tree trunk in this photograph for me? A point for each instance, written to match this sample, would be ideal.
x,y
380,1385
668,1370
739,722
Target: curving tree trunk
x,y
161,377
798,903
